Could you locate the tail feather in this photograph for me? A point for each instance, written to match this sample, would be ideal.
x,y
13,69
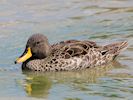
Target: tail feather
x,y
116,48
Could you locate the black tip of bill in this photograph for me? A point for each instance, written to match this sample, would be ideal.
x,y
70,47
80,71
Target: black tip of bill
x,y
15,62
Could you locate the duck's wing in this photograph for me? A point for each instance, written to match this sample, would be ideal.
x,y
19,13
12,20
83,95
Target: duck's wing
x,y
72,48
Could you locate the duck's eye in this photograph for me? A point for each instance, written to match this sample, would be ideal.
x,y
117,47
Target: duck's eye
x,y
37,42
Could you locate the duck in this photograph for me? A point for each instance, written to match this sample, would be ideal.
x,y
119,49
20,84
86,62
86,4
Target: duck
x,y
68,55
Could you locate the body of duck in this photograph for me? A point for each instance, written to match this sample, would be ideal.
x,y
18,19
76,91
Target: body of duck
x,y
39,55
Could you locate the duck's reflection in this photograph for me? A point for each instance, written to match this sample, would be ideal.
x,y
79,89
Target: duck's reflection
x,y
38,84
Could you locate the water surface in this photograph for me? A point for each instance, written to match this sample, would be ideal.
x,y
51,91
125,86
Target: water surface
x,y
103,21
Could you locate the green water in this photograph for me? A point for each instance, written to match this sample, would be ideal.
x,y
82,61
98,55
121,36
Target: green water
x,y
103,21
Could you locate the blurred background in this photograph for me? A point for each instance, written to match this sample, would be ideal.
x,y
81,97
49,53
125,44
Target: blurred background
x,y
103,21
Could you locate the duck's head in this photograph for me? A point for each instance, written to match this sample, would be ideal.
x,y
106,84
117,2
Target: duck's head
x,y
37,47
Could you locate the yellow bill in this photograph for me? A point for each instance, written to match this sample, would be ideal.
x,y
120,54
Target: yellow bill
x,y
24,57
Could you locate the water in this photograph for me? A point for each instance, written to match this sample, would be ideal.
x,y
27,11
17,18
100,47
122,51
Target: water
x,y
103,21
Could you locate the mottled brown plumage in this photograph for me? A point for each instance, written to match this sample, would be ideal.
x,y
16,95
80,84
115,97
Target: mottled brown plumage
x,y
68,55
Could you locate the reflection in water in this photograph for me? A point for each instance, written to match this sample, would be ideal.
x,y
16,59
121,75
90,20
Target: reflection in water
x,y
39,84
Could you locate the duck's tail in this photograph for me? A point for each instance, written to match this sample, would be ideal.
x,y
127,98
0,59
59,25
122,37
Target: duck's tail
x,y
115,48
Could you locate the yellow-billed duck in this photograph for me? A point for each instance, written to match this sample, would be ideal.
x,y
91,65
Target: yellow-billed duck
x,y
68,55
